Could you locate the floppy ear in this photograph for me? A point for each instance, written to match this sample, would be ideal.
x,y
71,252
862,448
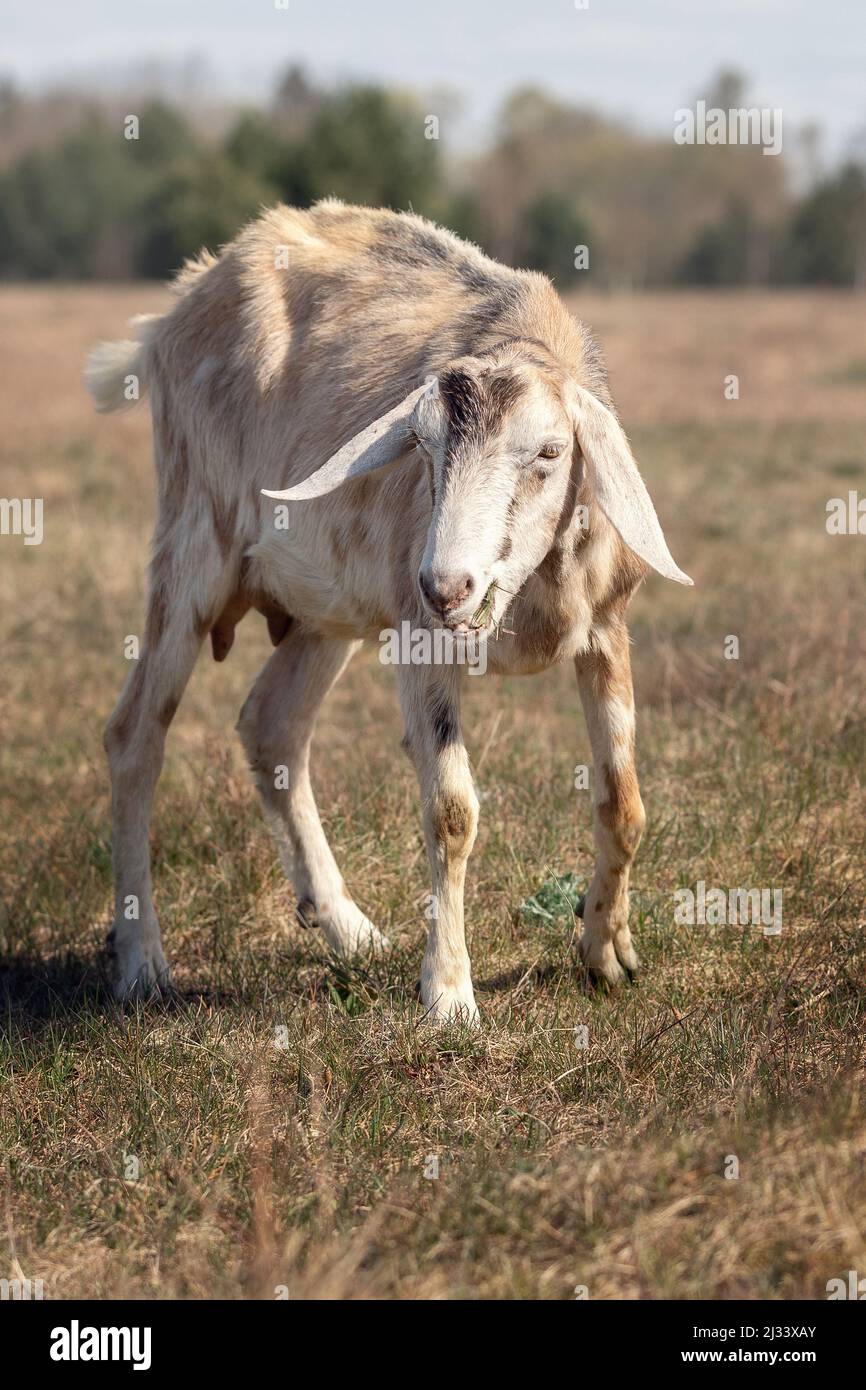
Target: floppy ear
x,y
379,444
619,487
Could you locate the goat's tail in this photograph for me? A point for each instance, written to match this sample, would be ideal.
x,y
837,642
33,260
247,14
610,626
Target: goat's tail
x,y
116,373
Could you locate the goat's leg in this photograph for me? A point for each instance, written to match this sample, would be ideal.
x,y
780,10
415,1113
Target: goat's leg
x,y
276,728
135,742
604,680
430,700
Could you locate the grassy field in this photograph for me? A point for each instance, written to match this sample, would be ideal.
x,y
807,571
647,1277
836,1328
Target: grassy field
x,y
283,1121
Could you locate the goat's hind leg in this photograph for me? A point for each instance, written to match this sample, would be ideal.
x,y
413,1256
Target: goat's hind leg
x,y
276,727
135,743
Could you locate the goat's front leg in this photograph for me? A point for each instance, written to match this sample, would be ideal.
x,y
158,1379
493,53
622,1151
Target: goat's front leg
x,y
430,701
604,680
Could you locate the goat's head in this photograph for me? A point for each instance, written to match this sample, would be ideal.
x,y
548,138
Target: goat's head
x,y
506,436
499,441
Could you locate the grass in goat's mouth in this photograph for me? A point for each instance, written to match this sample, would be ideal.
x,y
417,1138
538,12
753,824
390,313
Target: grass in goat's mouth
x,y
484,612
481,616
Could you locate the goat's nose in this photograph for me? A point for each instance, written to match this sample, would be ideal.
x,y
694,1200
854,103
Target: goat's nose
x,y
444,592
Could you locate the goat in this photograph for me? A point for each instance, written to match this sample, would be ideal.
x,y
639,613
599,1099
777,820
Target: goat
x,y
477,457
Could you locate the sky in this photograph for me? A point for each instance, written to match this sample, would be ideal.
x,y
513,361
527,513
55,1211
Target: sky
x,y
638,59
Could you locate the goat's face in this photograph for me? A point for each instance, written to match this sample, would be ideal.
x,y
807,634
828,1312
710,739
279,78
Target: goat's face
x,y
506,437
499,441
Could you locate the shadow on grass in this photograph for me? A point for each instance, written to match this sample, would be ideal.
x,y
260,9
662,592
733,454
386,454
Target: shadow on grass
x,y
521,974
34,990
37,992
534,977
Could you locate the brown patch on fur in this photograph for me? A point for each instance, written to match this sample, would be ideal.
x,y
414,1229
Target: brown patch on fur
x,y
554,567
453,823
503,391
622,813
477,405
626,574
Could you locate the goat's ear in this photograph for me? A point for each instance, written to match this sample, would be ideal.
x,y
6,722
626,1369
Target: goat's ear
x,y
381,443
618,486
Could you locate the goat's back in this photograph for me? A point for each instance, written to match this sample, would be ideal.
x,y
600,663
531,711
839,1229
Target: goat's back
x,y
312,323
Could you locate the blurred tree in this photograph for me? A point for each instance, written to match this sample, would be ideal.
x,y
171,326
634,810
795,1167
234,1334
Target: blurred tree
x,y
367,145
253,143
466,215
164,135
10,104
719,253
727,90
258,148
807,154
550,229
198,202
69,213
827,242
77,200
295,102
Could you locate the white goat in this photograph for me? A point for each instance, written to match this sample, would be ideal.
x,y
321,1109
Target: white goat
x,y
478,459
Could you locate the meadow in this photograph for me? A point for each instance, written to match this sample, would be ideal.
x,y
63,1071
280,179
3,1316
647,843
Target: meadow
x,y
283,1125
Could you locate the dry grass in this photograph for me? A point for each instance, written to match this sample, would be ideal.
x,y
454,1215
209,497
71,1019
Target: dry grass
x,y
303,1164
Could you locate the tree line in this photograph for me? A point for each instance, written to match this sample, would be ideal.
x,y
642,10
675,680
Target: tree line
x,y
87,192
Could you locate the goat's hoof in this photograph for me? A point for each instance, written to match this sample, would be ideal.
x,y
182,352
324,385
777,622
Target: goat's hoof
x,y
600,959
305,913
367,940
626,955
352,935
137,971
444,1006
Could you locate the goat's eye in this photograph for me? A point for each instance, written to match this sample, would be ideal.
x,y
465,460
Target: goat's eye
x,y
550,451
